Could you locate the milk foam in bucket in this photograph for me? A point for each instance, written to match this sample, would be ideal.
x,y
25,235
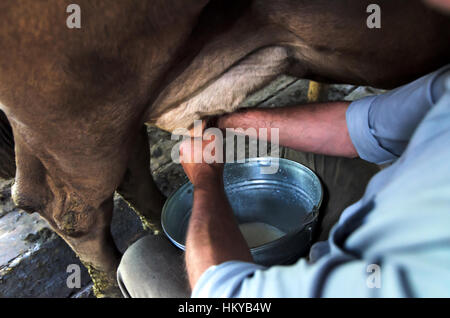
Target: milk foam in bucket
x,y
259,233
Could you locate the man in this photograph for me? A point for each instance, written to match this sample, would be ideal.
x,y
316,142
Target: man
x,y
399,228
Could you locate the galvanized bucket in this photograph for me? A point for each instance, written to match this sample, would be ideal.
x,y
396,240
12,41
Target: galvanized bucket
x,y
288,200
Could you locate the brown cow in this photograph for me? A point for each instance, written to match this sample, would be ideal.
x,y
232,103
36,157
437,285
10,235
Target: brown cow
x,y
77,99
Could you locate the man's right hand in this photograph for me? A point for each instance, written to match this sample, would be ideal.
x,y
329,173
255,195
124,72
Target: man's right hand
x,y
200,173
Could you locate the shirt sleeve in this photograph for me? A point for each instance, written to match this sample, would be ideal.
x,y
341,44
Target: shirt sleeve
x,y
399,274
224,280
334,276
380,127
301,280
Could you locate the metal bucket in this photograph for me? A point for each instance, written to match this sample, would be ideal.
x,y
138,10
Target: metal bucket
x,y
288,200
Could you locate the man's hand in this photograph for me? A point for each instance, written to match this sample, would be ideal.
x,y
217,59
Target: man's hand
x,y
193,161
315,128
213,235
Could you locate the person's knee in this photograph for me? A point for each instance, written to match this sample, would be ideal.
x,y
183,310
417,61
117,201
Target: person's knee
x,y
130,265
152,267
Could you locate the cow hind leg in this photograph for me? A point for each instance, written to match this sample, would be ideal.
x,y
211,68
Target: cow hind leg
x,y
96,248
84,225
87,232
138,187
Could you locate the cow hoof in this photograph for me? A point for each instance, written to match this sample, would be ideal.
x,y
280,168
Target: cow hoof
x,y
151,226
111,292
105,283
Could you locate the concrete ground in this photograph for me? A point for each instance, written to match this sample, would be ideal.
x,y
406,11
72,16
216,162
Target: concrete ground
x,y
34,260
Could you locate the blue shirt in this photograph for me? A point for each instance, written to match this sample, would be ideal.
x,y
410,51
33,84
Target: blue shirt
x,y
395,241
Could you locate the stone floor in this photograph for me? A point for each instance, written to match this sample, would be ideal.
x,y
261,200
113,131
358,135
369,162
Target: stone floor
x,y
33,259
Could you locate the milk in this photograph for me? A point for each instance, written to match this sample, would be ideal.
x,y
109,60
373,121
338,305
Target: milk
x,y
258,233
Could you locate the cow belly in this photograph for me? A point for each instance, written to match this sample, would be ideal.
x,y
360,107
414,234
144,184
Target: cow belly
x,y
226,93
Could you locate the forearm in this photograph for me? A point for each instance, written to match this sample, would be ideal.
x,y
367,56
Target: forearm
x,y
213,235
316,128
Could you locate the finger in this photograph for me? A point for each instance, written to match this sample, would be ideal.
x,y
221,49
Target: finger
x,y
191,150
197,130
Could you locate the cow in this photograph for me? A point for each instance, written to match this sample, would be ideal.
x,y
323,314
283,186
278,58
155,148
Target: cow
x,y
77,100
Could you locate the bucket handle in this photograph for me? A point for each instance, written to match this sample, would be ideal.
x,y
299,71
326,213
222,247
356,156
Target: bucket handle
x,y
311,216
